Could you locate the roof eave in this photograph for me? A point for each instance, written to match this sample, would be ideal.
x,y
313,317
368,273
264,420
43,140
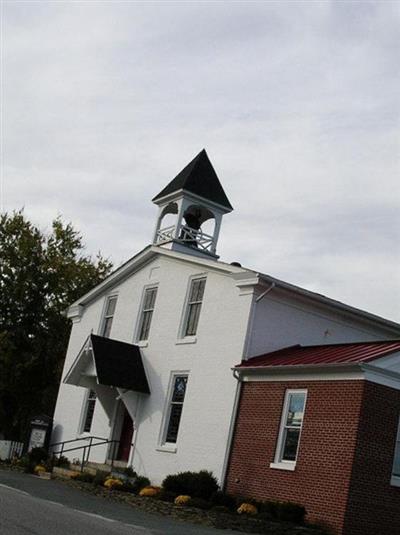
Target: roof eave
x,y
298,368
170,197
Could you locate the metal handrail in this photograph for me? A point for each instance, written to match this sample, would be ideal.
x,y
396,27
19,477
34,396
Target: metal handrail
x,y
86,448
76,440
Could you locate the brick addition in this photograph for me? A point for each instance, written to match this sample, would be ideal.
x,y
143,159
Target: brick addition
x,y
345,457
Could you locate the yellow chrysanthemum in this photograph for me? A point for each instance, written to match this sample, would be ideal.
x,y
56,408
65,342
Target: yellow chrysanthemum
x,y
248,509
182,499
112,483
39,468
150,491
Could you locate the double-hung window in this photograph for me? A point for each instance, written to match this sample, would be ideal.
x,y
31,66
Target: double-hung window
x,y
396,462
290,429
175,406
108,316
193,307
146,315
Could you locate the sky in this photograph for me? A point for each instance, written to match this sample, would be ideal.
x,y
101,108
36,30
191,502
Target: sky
x,y
296,103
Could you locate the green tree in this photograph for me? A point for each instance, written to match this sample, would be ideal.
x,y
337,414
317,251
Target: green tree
x,y
40,275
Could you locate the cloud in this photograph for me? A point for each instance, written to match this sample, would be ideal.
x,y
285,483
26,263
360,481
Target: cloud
x,y
296,103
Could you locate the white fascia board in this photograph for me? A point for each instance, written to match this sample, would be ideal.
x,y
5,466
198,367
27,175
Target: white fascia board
x,y
331,372
75,371
137,262
381,376
171,197
144,256
315,372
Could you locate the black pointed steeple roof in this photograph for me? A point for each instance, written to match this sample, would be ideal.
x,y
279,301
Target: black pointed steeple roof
x,y
198,177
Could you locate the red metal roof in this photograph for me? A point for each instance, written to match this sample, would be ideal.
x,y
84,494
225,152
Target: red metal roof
x,y
324,354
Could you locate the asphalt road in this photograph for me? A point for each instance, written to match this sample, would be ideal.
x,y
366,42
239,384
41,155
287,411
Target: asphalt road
x,y
33,506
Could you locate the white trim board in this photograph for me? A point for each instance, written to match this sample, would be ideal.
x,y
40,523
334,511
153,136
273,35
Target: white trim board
x,y
353,372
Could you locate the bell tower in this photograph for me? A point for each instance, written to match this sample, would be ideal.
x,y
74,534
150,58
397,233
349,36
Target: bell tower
x,y
193,200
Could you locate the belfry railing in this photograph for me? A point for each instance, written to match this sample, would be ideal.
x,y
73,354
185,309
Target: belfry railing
x,y
187,235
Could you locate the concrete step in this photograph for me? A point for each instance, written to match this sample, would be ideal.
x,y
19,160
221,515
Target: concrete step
x,y
89,468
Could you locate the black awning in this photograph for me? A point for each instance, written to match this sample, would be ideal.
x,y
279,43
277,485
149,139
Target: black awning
x,y
119,364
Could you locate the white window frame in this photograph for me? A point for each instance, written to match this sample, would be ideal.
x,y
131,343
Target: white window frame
x,y
190,338
395,479
163,445
104,313
85,407
278,461
139,320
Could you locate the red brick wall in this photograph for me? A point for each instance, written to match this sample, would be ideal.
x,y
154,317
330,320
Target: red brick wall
x,y
374,505
323,471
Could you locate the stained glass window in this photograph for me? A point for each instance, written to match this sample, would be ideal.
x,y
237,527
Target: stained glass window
x,y
396,462
175,409
147,313
89,411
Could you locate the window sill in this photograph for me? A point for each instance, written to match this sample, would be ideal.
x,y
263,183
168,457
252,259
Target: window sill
x,y
395,481
167,449
186,340
143,343
283,466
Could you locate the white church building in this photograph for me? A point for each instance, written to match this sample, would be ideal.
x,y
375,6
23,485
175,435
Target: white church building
x,y
152,348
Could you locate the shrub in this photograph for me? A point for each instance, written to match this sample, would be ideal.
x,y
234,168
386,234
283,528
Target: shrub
x,y
38,455
291,512
62,462
130,472
196,484
140,483
269,508
182,500
26,464
83,476
264,516
220,509
100,478
166,496
199,503
127,486
150,491
248,509
113,483
219,498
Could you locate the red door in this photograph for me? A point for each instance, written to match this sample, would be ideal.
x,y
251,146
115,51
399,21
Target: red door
x,y
125,440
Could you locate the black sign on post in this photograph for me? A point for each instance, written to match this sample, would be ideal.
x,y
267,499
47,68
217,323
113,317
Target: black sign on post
x,y
40,431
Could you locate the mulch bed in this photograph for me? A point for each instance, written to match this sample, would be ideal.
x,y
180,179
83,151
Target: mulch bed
x,y
210,518
216,519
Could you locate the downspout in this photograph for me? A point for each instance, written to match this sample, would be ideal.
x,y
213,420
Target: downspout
x,y
251,319
231,428
271,287
236,375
